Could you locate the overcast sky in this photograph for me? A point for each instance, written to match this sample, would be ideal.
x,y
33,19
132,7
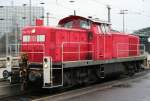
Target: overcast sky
x,y
138,10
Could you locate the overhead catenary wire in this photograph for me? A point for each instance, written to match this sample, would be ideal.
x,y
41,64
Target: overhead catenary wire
x,y
97,2
133,12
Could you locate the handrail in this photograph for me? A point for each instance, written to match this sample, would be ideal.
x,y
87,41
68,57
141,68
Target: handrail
x,y
17,52
79,48
138,46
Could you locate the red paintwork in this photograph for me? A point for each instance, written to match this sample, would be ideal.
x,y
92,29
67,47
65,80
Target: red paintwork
x,y
39,22
120,45
103,46
134,47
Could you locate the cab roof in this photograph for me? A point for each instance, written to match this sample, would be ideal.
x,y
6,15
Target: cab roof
x,y
72,17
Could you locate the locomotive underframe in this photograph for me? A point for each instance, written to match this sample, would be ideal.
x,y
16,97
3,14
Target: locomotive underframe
x,y
76,72
93,71
82,72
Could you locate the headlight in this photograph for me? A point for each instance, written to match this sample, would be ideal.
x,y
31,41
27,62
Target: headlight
x,y
45,66
33,31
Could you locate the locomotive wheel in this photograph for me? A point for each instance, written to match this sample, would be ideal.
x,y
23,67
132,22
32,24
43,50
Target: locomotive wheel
x,y
131,70
79,77
67,79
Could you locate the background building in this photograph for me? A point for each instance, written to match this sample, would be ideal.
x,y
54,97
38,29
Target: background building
x,y
13,19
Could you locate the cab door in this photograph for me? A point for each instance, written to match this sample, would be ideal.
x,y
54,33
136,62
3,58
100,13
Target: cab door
x,y
103,42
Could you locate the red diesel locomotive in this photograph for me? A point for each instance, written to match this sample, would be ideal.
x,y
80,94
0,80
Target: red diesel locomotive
x,y
79,50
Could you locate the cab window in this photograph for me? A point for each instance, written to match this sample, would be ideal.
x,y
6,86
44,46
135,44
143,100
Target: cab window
x,y
68,24
26,38
103,28
84,24
99,29
107,28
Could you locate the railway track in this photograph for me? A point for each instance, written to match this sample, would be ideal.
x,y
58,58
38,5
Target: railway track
x,y
54,95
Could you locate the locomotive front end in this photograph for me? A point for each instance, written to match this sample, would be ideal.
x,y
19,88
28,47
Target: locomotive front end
x,y
28,69
31,64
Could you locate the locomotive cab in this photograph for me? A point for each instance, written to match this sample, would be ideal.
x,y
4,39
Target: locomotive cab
x,y
75,22
78,22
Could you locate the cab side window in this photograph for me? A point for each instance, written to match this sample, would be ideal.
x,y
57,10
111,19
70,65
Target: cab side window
x,y
103,28
84,24
107,30
99,29
68,24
